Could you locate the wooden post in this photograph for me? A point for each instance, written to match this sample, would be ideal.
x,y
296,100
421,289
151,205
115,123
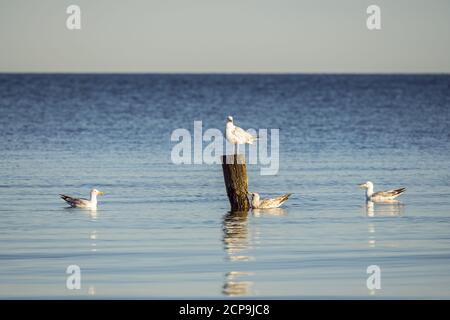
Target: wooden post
x,y
236,181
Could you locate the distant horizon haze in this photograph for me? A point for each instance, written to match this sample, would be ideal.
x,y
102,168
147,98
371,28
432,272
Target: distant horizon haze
x,y
200,36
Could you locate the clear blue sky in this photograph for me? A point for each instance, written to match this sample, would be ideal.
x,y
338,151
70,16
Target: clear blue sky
x,y
225,36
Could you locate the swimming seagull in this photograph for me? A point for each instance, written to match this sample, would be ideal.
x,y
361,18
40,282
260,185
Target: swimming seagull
x,y
257,203
83,203
236,135
380,195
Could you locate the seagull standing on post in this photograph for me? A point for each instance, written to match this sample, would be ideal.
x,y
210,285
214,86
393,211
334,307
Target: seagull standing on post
x,y
236,135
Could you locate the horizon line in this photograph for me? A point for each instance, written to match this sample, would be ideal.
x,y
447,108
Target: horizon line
x,y
216,73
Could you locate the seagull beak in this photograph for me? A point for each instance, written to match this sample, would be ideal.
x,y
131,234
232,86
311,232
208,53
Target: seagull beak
x,y
100,193
362,185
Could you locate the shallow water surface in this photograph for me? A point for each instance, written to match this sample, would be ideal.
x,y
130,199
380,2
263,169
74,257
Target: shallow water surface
x,y
164,230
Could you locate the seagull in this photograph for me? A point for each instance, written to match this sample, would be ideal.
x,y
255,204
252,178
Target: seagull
x,y
83,203
236,135
257,203
381,195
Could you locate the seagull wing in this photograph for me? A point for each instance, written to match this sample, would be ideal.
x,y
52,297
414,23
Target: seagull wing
x,y
389,193
75,202
274,202
243,136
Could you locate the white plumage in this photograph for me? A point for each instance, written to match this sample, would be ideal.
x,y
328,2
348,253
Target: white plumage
x,y
257,203
236,135
380,195
81,202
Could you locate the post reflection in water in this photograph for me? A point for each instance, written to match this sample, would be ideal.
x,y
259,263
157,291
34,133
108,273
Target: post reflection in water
x,y
237,242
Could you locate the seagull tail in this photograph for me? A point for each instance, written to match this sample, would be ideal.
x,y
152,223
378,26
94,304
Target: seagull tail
x,y
285,197
66,198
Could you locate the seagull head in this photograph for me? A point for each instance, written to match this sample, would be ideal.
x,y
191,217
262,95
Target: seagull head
x,y
254,194
230,119
96,192
366,185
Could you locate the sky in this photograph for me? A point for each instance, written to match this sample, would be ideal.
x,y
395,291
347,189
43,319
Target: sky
x,y
255,36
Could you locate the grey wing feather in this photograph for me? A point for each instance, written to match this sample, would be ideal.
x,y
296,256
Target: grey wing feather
x,y
275,202
389,193
74,202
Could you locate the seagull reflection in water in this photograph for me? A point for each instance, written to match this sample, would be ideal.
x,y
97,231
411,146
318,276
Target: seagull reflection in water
x,y
385,208
273,212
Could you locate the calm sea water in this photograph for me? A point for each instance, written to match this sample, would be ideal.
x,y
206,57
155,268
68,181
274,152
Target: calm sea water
x,y
164,230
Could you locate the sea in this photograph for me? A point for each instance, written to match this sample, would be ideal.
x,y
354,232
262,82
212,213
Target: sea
x,y
164,230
